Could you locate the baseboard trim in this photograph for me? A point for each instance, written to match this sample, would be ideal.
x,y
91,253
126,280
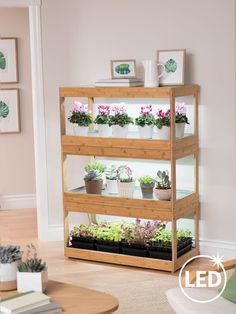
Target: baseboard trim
x,y
17,201
226,249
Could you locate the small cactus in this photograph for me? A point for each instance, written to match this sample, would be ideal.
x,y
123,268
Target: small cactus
x,y
32,264
93,175
9,254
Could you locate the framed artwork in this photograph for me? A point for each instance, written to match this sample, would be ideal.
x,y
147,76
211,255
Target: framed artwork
x,y
8,60
9,111
121,69
174,64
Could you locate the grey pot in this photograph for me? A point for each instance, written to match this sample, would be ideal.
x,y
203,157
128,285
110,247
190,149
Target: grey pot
x,y
147,190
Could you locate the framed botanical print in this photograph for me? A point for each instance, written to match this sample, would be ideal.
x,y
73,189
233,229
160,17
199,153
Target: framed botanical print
x,y
9,111
121,69
8,60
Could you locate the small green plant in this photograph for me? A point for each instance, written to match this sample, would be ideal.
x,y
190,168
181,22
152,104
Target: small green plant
x,y
163,237
95,166
146,180
32,263
93,175
162,180
111,232
9,254
111,173
83,231
124,174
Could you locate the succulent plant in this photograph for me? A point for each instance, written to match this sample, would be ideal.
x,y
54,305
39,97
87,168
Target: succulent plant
x,y
93,175
146,180
111,173
162,180
9,254
95,166
32,263
124,174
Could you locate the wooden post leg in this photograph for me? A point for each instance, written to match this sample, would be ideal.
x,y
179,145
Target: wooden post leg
x,y
174,244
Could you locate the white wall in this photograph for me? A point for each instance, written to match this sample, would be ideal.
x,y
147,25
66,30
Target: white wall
x,y
81,37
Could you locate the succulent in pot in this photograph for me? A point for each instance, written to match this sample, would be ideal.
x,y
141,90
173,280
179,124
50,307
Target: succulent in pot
x,y
10,257
120,121
93,182
103,120
80,118
163,186
32,272
163,124
98,167
147,184
145,122
180,119
125,181
111,179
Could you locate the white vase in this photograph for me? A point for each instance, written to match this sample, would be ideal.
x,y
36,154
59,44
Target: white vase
x,y
163,195
126,189
27,281
145,131
104,130
163,133
179,129
120,131
112,187
80,130
8,276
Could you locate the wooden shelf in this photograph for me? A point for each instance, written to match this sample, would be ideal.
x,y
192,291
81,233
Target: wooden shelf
x,y
128,147
129,260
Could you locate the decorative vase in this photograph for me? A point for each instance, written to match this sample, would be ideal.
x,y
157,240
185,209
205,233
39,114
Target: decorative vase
x,y
145,131
126,189
27,281
147,190
120,131
163,195
163,133
94,187
8,276
104,130
179,129
80,130
112,187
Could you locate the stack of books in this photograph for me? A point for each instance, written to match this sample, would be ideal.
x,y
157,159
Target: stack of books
x,y
29,303
129,82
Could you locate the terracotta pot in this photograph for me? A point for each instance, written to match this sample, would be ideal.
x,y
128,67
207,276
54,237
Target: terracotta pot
x,y
94,187
163,195
147,190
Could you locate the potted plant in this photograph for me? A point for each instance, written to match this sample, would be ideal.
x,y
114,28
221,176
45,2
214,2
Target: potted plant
x,y
120,121
145,122
98,167
10,257
125,181
93,182
103,121
163,124
80,118
32,272
163,186
82,236
180,119
147,184
111,179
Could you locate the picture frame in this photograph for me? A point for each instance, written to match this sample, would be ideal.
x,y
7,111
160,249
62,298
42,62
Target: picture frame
x,y
9,111
122,69
8,60
174,66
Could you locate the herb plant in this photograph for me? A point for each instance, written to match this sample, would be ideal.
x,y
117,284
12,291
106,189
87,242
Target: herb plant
x,y
120,117
95,166
162,180
146,117
146,180
93,175
80,114
32,263
103,116
9,254
124,174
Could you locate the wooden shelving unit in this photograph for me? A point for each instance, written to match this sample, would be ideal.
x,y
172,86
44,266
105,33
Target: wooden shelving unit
x,y
178,207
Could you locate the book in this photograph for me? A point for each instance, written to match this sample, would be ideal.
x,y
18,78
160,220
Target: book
x,y
51,308
128,80
120,84
23,302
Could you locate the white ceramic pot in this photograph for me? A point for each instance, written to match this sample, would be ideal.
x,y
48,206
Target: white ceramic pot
x,y
80,130
120,131
8,276
112,187
163,133
163,195
32,281
104,130
145,131
179,129
126,189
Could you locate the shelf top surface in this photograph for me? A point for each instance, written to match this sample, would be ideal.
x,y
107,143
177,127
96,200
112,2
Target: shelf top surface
x,y
129,92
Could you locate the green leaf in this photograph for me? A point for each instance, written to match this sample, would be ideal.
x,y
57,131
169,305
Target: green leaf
x,y
2,61
4,109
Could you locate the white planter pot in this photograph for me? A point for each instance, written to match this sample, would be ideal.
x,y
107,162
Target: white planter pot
x,y
163,133
163,195
145,131
112,187
104,130
126,189
120,131
8,276
80,130
179,129
32,281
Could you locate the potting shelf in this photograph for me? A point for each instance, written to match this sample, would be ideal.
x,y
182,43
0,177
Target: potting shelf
x,y
181,205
